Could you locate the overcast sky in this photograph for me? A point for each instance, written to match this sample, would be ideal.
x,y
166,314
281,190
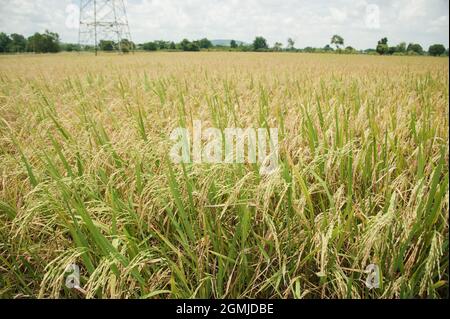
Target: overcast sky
x,y
309,22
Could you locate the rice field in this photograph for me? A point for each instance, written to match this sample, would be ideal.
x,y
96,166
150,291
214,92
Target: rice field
x,y
85,176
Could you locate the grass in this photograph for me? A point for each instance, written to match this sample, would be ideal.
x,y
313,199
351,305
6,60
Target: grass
x,y
85,176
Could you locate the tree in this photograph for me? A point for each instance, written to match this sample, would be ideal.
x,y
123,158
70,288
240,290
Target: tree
x,y
106,45
5,42
291,44
34,43
18,43
328,48
392,50
204,43
337,40
260,44
350,49
51,42
382,47
309,50
162,45
69,47
150,46
186,45
47,42
401,47
436,50
277,46
233,44
414,47
126,45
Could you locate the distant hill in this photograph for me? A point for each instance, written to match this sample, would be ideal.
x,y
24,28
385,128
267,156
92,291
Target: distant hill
x,y
225,42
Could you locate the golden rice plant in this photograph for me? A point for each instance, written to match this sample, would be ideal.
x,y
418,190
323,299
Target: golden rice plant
x,y
85,176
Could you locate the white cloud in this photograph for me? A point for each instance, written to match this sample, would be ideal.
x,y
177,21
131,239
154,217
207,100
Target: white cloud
x,y
338,16
411,9
438,25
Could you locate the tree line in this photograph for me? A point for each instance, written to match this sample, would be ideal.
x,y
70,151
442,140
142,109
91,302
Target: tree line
x,y
260,44
383,48
49,42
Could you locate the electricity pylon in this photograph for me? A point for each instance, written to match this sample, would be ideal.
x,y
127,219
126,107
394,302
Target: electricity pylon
x,y
104,20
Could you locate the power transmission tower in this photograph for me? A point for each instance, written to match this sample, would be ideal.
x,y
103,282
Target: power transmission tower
x,y
104,20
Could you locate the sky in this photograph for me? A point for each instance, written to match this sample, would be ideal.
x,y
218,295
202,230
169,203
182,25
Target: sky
x,y
309,22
